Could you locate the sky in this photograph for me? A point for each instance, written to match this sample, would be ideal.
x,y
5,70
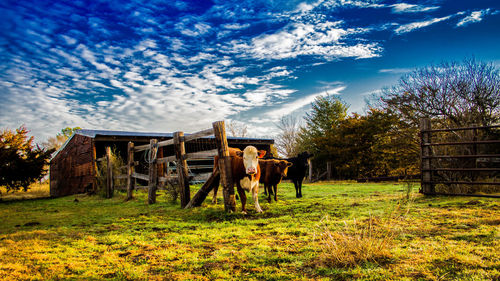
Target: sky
x,y
165,66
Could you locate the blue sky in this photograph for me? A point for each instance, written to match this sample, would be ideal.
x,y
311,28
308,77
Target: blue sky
x,y
180,65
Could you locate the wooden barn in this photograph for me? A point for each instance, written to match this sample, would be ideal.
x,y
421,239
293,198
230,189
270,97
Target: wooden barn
x,y
73,167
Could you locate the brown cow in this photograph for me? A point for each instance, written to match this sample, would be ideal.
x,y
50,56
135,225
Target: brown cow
x,y
272,171
245,172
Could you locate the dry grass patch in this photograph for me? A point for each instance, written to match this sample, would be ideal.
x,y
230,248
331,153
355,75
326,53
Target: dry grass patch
x,y
36,190
356,243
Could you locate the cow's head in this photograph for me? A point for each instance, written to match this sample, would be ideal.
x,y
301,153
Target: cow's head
x,y
282,167
251,158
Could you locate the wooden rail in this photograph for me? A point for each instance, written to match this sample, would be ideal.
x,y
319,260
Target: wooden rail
x,y
156,162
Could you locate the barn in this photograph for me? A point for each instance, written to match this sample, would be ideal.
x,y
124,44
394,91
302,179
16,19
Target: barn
x,y
73,166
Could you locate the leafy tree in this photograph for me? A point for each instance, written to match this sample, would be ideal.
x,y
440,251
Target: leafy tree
x,y
456,94
57,141
21,163
319,135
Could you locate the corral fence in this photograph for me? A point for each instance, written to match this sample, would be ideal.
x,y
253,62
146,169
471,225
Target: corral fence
x,y
179,158
460,161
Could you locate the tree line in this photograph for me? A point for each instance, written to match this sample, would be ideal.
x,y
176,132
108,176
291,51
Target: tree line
x,y
384,141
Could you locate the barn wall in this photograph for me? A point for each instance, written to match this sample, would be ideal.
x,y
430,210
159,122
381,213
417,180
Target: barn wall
x,y
71,171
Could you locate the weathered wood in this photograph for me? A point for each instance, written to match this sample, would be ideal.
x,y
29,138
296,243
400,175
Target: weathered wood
x,y
140,176
130,170
120,177
182,168
426,152
141,147
153,171
109,178
166,142
201,154
202,194
200,134
166,159
224,166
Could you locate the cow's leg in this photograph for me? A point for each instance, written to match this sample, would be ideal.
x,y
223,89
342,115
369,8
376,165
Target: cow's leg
x,y
265,190
300,188
268,187
296,184
243,197
275,187
255,195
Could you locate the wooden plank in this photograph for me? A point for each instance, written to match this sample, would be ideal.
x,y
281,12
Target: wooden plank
x,y
130,170
463,182
461,156
461,129
465,169
153,171
166,142
119,177
462,143
101,159
200,196
200,134
140,176
182,168
166,159
225,166
141,147
201,154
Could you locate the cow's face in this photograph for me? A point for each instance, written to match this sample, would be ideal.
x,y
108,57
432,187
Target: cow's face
x,y
251,159
282,167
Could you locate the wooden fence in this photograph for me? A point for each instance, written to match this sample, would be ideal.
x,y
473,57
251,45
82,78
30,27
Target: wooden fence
x,y
180,157
433,170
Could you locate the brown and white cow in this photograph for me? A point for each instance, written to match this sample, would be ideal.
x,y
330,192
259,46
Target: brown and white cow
x,y
245,172
272,171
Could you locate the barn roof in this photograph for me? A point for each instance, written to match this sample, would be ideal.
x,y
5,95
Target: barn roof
x,y
108,133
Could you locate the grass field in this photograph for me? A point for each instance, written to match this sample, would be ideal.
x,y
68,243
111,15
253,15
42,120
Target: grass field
x,y
338,231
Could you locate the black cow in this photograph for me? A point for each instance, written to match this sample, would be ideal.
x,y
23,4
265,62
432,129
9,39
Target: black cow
x,y
297,171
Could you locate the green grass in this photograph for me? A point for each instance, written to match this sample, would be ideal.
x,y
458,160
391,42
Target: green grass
x,y
426,238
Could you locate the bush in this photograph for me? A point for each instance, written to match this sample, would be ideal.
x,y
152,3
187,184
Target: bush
x,y
21,162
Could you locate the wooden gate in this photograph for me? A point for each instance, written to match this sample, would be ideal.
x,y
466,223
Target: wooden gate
x,y
473,160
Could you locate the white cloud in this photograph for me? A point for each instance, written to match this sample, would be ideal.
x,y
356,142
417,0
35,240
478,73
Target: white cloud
x,y
411,8
288,108
327,40
474,17
417,25
395,70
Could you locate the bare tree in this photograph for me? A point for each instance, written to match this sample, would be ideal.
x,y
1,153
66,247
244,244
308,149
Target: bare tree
x,y
457,94
287,140
237,129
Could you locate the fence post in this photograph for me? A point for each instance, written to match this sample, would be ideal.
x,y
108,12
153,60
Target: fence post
x,y
153,171
130,170
182,168
109,178
224,166
427,187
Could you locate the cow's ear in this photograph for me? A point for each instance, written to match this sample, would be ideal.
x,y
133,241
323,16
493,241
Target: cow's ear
x,y
239,153
262,153
289,164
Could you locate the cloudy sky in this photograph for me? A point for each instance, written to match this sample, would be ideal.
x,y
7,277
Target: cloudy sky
x,y
180,65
